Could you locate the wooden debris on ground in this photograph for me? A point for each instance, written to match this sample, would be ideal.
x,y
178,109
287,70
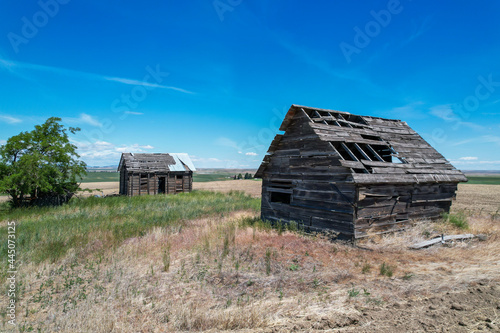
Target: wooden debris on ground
x,y
443,239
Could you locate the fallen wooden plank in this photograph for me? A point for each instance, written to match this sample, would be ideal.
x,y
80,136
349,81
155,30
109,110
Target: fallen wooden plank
x,y
441,239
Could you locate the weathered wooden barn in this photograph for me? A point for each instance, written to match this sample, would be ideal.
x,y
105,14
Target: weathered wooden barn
x,y
142,174
355,175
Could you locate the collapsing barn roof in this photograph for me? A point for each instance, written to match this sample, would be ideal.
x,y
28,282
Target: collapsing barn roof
x,y
376,150
150,163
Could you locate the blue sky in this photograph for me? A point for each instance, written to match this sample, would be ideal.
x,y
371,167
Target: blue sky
x,y
215,78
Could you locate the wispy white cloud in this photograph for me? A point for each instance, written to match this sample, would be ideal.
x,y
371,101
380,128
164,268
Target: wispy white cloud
x,y
214,162
205,159
135,148
475,163
88,119
446,113
146,84
316,59
106,152
134,113
251,154
490,104
2,142
7,64
15,67
480,139
10,119
491,139
463,142
461,162
411,110
489,162
83,119
419,30
226,142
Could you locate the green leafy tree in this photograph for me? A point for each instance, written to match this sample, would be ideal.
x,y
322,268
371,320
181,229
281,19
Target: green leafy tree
x,y
240,176
41,166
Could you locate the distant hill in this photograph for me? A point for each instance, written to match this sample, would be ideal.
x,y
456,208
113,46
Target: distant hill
x,y
107,168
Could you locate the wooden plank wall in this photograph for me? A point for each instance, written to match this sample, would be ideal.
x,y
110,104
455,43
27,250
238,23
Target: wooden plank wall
x,y
309,166
147,183
170,183
123,181
383,208
319,190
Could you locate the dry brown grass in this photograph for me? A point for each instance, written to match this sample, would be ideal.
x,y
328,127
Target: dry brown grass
x,y
100,188
218,278
204,289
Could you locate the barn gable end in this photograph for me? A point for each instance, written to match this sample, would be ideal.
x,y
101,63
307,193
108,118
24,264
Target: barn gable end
x,y
353,174
142,174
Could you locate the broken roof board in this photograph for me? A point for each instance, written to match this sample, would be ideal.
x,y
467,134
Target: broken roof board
x,y
420,161
156,162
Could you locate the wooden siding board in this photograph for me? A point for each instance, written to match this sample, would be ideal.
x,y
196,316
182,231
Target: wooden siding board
x,y
423,187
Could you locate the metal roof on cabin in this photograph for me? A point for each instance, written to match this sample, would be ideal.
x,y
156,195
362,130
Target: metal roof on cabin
x,y
156,162
182,162
422,162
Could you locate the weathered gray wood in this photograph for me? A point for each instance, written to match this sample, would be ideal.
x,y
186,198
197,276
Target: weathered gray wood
x,y
139,174
441,239
372,194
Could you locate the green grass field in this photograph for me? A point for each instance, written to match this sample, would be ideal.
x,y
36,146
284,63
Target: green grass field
x,y
211,177
483,180
48,233
97,177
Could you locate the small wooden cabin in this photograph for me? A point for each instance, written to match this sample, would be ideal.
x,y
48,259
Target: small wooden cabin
x,y
354,175
155,174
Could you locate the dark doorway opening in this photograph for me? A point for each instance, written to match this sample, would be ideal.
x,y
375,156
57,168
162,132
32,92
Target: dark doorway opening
x,y
161,185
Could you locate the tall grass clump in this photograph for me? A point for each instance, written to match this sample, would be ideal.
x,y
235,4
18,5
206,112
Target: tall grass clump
x,y
268,261
47,233
386,270
166,258
255,222
459,220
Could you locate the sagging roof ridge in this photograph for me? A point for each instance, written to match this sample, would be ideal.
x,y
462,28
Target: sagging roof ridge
x,y
164,162
291,112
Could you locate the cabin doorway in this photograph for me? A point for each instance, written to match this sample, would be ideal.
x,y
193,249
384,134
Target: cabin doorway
x,y
161,185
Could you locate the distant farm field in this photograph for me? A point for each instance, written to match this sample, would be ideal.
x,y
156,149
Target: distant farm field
x,y
211,177
484,180
99,177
